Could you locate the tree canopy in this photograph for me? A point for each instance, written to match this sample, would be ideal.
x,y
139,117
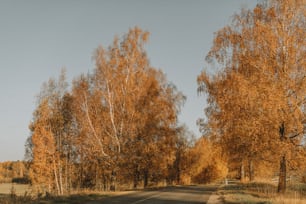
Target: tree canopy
x,y
257,97
117,125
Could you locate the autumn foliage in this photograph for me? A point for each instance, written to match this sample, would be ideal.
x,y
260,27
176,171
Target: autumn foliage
x,y
208,164
14,171
256,97
117,126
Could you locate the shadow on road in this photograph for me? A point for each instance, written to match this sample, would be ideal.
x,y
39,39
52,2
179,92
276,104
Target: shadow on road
x,y
192,189
168,195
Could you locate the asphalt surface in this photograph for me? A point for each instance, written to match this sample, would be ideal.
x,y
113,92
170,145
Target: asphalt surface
x,y
169,195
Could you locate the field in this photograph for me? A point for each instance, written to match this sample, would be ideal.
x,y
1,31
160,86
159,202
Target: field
x,y
18,189
14,193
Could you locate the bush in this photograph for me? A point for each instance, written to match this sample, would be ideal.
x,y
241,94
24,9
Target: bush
x,y
22,180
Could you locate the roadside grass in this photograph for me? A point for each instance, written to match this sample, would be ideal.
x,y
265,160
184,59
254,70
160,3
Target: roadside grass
x,y
239,193
23,194
262,193
66,199
251,193
73,199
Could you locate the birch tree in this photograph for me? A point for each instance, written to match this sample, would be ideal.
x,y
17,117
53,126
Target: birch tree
x,y
141,105
118,124
49,133
261,55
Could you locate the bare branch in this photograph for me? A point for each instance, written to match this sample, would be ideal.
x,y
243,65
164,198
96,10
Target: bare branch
x,y
92,127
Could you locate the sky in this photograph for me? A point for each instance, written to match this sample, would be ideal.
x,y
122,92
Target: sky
x,y
39,38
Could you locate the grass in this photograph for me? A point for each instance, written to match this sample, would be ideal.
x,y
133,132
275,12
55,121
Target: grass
x,y
262,193
249,193
72,199
69,199
239,193
19,189
23,194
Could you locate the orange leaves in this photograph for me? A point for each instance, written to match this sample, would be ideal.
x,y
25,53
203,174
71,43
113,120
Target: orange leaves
x,y
259,85
207,163
139,107
122,118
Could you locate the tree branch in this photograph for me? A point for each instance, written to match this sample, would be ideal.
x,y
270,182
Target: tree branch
x,y
293,136
92,127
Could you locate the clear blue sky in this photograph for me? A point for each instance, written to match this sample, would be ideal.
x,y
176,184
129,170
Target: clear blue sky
x,y
38,38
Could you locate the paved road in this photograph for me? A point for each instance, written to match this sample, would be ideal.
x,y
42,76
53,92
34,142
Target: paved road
x,y
169,195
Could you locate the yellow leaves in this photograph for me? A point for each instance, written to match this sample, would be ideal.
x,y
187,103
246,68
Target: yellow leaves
x,y
259,85
258,11
123,116
145,36
43,145
207,163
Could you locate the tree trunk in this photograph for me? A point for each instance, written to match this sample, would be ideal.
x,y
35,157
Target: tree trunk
x,y
55,177
282,168
66,174
282,176
104,182
178,176
60,174
145,178
136,177
96,177
242,173
113,181
251,170
177,167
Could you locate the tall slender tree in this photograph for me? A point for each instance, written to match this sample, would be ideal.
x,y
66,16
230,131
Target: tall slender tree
x,y
50,132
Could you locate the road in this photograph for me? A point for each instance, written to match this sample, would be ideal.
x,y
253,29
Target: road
x,y
169,195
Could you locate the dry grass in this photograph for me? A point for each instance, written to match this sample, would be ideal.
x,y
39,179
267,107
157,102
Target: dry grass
x,y
262,193
23,194
15,193
71,199
238,193
284,200
19,189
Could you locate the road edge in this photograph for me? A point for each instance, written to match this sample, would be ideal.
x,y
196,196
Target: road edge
x,y
215,198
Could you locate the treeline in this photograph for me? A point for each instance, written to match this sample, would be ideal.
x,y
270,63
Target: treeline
x,y
115,128
257,96
14,171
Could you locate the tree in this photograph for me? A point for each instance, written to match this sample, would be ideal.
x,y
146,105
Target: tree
x,y
207,163
118,125
92,145
50,130
180,171
262,82
237,122
43,162
138,108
